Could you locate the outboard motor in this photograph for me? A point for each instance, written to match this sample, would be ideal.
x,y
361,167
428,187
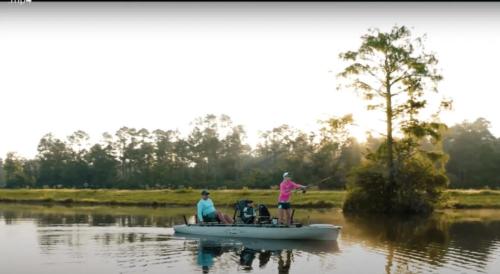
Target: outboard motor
x,y
264,215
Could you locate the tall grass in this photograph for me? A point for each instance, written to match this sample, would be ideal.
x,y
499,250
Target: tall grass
x,y
189,197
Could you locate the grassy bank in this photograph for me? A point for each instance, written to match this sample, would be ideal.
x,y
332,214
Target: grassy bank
x,y
473,198
165,197
312,199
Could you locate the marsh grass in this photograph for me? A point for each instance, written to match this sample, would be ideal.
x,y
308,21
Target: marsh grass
x,y
226,197
182,197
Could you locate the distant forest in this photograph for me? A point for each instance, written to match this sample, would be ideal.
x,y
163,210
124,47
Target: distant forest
x,y
214,155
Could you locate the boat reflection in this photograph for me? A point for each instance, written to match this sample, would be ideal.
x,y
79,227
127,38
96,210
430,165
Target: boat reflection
x,y
250,250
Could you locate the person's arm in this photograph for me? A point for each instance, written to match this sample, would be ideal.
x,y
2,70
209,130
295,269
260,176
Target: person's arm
x,y
200,215
295,185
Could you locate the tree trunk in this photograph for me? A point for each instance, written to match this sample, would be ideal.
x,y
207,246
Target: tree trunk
x,y
390,143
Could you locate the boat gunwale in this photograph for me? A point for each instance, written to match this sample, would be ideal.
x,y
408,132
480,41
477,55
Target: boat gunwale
x,y
297,225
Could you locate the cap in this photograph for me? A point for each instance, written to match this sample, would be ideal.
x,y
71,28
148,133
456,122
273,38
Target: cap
x,y
205,192
287,174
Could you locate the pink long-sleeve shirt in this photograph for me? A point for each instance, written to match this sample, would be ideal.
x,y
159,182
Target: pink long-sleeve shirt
x,y
286,188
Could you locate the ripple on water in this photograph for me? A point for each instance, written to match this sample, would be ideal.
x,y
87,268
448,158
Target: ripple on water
x,y
62,247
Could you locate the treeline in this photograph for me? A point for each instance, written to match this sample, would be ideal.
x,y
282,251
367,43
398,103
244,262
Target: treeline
x,y
474,155
214,154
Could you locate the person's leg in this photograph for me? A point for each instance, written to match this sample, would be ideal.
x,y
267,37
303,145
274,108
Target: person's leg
x,y
281,214
220,216
229,219
289,216
224,217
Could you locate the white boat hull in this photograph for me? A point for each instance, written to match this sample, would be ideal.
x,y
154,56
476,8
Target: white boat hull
x,y
306,232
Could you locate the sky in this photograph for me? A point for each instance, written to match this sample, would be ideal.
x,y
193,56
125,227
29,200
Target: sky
x,y
99,66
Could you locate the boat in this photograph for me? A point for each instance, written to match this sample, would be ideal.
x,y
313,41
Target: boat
x,y
324,232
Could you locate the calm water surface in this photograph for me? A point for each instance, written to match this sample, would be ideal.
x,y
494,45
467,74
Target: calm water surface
x,y
42,239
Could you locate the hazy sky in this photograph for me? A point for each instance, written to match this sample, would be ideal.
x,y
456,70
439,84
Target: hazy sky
x,y
98,67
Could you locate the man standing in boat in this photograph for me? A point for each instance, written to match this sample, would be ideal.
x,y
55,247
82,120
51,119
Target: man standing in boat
x,y
286,188
207,213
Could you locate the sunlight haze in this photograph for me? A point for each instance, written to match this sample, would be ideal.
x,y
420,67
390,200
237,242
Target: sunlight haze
x,y
98,67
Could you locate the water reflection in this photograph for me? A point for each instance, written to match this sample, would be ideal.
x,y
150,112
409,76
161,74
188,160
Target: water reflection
x,y
206,254
130,240
92,216
427,243
248,250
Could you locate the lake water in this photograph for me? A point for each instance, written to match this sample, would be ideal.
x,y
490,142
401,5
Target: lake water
x,y
41,239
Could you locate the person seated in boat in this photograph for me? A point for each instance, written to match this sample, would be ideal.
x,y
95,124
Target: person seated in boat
x,y
284,206
206,211
249,213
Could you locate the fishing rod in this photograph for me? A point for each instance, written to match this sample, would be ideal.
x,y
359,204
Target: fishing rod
x,y
304,189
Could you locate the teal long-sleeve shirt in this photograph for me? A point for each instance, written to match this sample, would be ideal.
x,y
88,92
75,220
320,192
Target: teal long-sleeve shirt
x,y
205,207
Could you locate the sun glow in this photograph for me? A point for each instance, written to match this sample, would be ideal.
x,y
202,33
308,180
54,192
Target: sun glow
x,y
99,71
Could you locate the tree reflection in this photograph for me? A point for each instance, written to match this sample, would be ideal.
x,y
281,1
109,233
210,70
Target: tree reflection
x,y
466,240
435,239
422,238
48,215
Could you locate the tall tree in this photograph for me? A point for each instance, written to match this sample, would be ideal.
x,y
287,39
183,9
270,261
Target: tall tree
x,y
275,146
54,156
233,152
163,170
474,155
102,166
2,176
334,153
393,71
16,173
76,172
388,65
206,145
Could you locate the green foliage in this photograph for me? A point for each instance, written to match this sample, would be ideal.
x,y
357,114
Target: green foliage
x,y
184,197
18,171
2,172
474,155
213,155
393,72
366,190
420,182
102,166
188,197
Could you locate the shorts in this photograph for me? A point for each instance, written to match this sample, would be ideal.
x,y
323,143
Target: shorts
x,y
284,205
210,217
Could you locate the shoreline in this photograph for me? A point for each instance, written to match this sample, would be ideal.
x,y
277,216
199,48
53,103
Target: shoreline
x,y
49,202
456,199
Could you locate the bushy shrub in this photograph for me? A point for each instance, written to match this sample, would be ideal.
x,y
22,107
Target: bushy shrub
x,y
420,180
